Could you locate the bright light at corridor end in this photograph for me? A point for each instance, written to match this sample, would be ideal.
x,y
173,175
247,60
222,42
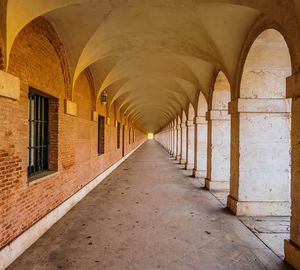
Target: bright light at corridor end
x,y
150,136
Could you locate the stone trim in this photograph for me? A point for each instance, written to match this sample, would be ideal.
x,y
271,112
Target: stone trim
x,y
9,86
260,105
70,107
217,115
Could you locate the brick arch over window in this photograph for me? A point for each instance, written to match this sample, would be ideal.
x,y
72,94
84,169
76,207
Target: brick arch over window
x,y
41,27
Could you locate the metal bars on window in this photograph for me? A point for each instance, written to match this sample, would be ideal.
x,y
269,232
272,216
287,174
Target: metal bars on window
x,y
118,135
101,134
38,133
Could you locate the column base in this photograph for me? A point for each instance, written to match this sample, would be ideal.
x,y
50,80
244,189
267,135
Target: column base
x,y
182,161
216,185
178,157
271,208
199,174
189,166
292,253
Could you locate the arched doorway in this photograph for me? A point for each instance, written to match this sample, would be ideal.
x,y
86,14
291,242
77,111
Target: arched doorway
x,y
260,140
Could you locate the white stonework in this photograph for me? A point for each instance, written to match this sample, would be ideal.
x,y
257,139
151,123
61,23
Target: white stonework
x,y
218,173
190,146
200,164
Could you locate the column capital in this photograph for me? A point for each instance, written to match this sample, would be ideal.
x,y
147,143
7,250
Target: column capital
x,y
183,125
189,123
217,115
198,120
260,105
179,126
293,86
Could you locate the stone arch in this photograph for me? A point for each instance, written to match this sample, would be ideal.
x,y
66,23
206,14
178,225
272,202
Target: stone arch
x,y
200,158
218,165
263,24
260,161
191,112
264,74
201,105
190,141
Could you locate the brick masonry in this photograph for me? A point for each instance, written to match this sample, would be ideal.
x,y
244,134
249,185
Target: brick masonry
x,y
38,60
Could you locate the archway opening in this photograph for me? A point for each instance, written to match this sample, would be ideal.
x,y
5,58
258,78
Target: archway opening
x,y
260,145
218,169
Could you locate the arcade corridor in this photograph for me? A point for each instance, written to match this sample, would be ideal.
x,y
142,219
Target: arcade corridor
x,y
148,214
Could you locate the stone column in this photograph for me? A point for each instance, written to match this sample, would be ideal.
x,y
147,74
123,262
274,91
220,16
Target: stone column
x,y
200,168
292,246
171,140
174,141
190,146
218,165
178,153
183,144
260,157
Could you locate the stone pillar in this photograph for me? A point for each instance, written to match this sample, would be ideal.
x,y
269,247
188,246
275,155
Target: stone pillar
x,y
292,246
171,139
260,157
178,152
218,165
200,168
183,144
190,146
174,141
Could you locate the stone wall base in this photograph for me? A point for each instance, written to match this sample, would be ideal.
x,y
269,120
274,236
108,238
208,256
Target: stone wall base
x,y
199,173
272,208
216,185
189,166
182,161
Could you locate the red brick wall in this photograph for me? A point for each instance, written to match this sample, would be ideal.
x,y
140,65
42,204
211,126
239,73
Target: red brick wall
x,y
36,61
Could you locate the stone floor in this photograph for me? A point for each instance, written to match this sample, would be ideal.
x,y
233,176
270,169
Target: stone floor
x,y
271,230
148,214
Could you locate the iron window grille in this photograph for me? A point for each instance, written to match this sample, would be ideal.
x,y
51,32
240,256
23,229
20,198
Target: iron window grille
x,y
38,133
101,134
118,135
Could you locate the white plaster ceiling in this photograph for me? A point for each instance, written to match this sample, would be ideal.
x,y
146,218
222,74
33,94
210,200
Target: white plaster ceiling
x,y
153,57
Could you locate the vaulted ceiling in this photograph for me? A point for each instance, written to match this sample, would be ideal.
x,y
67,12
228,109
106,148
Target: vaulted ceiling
x,y
153,57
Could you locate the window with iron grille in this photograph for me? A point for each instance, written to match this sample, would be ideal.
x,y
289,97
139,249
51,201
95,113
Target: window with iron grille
x,y
118,135
129,135
38,133
101,134
133,135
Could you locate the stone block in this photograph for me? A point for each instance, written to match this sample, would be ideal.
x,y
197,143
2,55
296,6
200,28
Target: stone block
x,y
9,86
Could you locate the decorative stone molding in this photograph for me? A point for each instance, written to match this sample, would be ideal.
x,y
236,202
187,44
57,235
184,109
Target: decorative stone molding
x,y
260,105
107,120
217,115
94,116
200,120
9,86
189,123
70,107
